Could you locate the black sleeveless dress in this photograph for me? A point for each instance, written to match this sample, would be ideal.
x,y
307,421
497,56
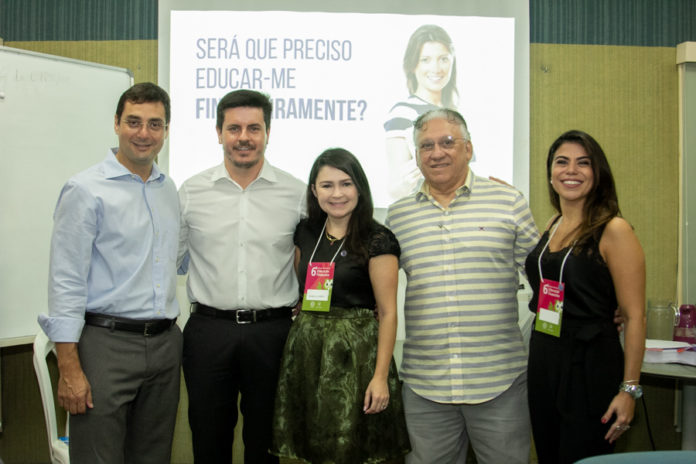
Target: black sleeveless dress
x,y
573,378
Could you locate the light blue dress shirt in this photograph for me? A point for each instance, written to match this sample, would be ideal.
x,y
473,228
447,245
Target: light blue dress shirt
x,y
113,249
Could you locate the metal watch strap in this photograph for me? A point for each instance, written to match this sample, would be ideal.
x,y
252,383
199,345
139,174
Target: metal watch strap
x,y
636,391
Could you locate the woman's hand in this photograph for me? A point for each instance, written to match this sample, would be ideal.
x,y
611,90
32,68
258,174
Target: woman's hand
x,y
384,270
376,396
623,406
297,309
624,256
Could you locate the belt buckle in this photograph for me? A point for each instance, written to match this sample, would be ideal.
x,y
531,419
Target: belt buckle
x,y
245,311
146,330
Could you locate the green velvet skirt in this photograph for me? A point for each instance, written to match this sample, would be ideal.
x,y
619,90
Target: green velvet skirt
x,y
328,362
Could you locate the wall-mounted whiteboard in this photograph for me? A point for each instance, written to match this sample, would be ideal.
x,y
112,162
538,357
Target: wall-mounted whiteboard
x,y
56,119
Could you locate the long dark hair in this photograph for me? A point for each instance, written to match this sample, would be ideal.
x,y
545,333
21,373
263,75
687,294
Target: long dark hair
x,y
602,204
430,33
361,219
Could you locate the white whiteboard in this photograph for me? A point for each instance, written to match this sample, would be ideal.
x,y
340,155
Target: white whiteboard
x,y
56,119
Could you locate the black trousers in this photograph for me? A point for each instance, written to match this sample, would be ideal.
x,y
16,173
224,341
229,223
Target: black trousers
x,y
572,380
222,360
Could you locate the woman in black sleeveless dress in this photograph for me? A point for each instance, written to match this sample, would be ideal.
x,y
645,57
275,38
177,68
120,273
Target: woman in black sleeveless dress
x,y
582,385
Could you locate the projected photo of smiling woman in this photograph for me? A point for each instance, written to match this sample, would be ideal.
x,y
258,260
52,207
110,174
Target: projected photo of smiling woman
x,y
431,76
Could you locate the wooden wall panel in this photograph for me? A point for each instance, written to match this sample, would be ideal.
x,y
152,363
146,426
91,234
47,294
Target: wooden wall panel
x,y
627,98
140,56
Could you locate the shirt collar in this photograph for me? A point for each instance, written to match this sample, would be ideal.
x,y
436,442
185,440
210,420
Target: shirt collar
x,y
424,192
267,173
113,169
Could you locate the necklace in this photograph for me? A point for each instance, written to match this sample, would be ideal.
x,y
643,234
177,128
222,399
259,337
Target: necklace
x,y
331,238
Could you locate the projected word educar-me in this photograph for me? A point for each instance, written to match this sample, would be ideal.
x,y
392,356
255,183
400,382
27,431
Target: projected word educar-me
x,y
245,78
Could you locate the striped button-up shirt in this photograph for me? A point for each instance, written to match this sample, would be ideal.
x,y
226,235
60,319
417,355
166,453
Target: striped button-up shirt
x,y
463,343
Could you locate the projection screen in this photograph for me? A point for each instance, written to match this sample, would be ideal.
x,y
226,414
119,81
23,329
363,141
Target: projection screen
x,y
337,78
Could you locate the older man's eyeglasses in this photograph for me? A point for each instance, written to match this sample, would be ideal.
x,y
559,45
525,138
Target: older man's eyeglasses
x,y
153,125
446,143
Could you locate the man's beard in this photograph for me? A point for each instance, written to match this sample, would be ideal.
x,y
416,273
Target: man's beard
x,y
246,164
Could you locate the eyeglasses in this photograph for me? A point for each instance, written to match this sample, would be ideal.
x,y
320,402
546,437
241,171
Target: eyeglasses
x,y
446,143
153,125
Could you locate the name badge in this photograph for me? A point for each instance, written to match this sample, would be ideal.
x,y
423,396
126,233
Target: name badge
x,y
318,286
550,307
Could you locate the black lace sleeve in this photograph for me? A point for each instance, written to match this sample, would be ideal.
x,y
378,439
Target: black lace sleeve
x,y
383,242
298,232
305,233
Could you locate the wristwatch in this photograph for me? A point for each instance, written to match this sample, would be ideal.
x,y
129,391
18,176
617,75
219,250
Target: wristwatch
x,y
636,391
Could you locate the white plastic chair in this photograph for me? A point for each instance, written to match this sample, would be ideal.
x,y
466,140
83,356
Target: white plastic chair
x,y
57,447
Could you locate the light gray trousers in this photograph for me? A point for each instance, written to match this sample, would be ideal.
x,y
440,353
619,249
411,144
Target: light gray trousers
x,y
499,429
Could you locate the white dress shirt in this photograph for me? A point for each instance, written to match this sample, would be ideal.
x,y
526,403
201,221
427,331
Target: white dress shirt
x,y
237,244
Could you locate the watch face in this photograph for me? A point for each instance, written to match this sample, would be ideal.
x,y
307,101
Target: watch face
x,y
636,391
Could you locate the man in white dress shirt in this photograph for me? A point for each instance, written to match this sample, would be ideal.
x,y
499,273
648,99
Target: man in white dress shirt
x,y
236,242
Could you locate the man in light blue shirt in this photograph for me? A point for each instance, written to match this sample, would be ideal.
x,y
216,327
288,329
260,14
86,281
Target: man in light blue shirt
x,y
111,296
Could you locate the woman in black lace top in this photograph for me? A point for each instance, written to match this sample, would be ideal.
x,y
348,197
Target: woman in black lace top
x,y
338,394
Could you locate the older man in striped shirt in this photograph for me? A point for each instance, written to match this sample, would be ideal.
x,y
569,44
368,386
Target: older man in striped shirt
x,y
463,239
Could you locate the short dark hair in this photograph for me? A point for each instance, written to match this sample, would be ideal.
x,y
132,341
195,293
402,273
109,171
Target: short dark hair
x,y
145,92
249,98
361,217
601,204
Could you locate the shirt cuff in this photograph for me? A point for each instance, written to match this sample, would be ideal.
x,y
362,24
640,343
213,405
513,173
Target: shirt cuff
x,y
61,329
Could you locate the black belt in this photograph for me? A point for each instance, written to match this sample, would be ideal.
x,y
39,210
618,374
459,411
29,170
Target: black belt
x,y
241,316
145,327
